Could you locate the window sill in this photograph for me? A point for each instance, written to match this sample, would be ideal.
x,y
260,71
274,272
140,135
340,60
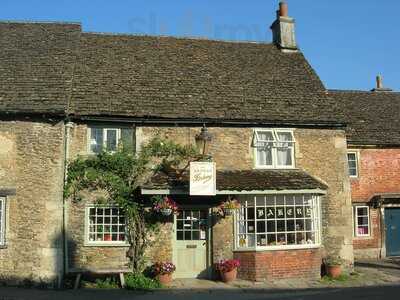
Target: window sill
x,y
274,168
3,246
106,244
363,237
279,248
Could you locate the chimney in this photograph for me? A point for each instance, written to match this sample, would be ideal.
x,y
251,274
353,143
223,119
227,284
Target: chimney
x,y
283,33
379,85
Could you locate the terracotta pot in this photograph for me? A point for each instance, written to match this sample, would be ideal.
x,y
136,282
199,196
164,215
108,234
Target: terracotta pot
x,y
229,276
165,279
107,237
334,271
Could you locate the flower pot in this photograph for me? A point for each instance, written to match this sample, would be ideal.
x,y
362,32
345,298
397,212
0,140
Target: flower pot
x,y
334,271
165,279
229,276
107,237
166,211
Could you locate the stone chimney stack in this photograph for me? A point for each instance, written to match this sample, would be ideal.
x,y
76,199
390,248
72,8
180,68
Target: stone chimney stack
x,y
379,85
283,32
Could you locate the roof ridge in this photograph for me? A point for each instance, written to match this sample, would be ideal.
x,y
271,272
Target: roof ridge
x,y
363,91
178,37
40,22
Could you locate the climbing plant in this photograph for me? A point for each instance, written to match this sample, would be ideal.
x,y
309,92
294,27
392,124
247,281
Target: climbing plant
x,y
119,175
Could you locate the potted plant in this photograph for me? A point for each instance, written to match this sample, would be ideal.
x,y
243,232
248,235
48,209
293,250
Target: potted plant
x,y
163,271
166,206
229,206
333,266
228,269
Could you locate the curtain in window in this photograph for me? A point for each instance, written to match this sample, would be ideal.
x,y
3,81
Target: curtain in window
x,y
96,140
264,148
284,149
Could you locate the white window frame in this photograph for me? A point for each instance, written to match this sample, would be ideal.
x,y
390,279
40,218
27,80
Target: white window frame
x,y
274,152
88,242
105,129
317,223
356,234
3,221
356,160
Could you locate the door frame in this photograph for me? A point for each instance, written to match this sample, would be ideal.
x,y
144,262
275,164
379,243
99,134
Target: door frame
x,y
208,241
384,229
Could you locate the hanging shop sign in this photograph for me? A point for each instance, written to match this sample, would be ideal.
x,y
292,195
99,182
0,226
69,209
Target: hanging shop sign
x,y
203,179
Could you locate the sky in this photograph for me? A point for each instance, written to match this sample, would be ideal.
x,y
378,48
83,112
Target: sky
x,y
347,42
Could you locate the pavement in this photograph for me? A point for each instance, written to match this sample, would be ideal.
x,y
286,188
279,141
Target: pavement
x,y
371,280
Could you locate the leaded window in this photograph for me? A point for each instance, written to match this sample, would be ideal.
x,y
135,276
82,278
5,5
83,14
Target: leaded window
x,y
109,139
278,221
2,221
105,225
274,148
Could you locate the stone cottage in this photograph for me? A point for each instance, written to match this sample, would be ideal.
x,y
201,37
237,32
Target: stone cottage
x,y
279,143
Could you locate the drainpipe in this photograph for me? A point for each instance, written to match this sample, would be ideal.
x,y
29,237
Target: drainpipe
x,y
67,128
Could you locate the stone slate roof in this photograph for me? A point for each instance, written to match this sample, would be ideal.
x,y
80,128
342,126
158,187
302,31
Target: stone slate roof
x,y
36,65
373,118
246,180
166,77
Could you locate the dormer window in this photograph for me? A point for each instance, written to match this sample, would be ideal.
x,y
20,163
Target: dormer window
x,y
274,148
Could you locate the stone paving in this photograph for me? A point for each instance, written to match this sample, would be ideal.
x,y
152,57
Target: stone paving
x,y
366,273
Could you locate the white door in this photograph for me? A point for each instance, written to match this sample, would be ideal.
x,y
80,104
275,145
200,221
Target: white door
x,y
190,246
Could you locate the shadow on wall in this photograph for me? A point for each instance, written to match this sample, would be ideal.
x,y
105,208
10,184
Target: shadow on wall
x,y
46,271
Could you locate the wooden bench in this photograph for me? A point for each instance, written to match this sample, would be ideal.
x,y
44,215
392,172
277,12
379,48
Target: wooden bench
x,y
80,272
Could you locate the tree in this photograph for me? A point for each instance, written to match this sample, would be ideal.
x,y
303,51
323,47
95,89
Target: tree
x,y
119,175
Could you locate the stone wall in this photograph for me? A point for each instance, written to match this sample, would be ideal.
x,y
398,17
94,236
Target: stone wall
x,y
31,161
82,256
321,153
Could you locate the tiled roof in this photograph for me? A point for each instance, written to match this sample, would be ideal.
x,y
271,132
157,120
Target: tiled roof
x,y
166,77
246,180
373,117
36,66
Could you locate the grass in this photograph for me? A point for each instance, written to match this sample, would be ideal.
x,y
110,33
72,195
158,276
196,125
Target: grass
x,y
341,278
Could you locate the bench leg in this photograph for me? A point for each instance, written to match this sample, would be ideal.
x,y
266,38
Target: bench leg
x,y
77,281
122,279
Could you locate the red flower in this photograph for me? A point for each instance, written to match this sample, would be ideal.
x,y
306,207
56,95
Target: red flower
x,y
227,265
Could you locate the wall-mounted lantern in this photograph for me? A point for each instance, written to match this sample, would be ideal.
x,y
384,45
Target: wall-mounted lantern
x,y
203,140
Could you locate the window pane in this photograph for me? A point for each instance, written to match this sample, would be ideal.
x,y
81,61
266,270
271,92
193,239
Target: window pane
x,y
264,156
127,138
362,211
284,220
96,140
104,222
284,156
111,139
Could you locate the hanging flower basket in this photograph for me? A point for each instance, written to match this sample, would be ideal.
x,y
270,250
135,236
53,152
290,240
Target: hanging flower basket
x,y
166,211
229,211
229,207
165,206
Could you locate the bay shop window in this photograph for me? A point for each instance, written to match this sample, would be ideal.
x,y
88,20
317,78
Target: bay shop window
x,y
278,222
274,148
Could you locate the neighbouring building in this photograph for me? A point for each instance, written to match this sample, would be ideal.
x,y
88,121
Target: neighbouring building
x,y
373,138
281,143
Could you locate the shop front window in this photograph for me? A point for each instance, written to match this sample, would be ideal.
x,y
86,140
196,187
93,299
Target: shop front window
x,y
278,221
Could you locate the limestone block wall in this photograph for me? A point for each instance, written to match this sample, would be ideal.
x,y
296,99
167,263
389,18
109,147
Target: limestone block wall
x,y
321,153
31,162
82,256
